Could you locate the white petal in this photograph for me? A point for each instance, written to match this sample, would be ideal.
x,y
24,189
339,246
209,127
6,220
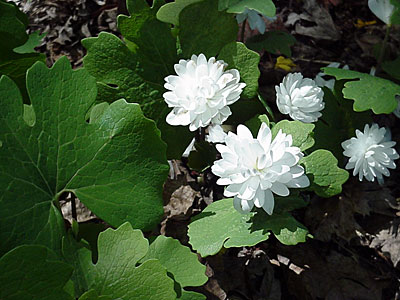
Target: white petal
x,y
268,202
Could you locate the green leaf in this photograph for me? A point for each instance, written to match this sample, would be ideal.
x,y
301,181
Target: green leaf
x,y
211,31
169,13
302,133
265,7
237,56
93,295
338,122
15,66
367,91
395,18
392,68
275,42
178,260
115,274
71,250
12,29
156,47
29,115
116,166
119,75
32,272
33,41
326,177
285,228
289,203
13,25
220,225
189,295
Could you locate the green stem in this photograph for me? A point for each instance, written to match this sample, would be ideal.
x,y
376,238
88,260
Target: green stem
x,y
267,108
383,48
73,207
243,31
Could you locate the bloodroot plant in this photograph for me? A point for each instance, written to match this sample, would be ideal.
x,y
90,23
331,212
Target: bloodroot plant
x,y
104,133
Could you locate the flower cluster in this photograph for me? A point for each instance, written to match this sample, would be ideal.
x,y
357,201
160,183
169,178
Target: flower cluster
x,y
300,97
254,169
201,92
371,155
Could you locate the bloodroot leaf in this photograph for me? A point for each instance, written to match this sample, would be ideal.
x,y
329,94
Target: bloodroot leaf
x,y
169,12
16,51
237,56
179,261
220,225
211,30
326,177
367,91
302,133
116,276
32,272
116,166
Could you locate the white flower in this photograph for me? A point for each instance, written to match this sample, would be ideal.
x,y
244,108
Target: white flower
x,y
215,134
201,92
329,83
254,18
383,9
370,153
253,169
301,98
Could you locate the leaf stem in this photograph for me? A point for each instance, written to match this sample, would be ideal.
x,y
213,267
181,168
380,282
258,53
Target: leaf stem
x,y
383,48
243,30
73,207
267,108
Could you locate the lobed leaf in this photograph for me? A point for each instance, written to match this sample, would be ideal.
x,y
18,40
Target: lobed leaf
x,y
301,133
212,30
115,166
239,57
32,272
119,74
327,178
220,225
115,274
169,12
33,41
367,91
16,52
178,260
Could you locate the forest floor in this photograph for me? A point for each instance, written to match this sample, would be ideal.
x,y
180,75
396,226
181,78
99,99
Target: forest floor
x,y
355,249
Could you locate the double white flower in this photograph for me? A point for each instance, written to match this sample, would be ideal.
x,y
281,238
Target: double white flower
x,y
371,155
300,97
254,169
201,92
